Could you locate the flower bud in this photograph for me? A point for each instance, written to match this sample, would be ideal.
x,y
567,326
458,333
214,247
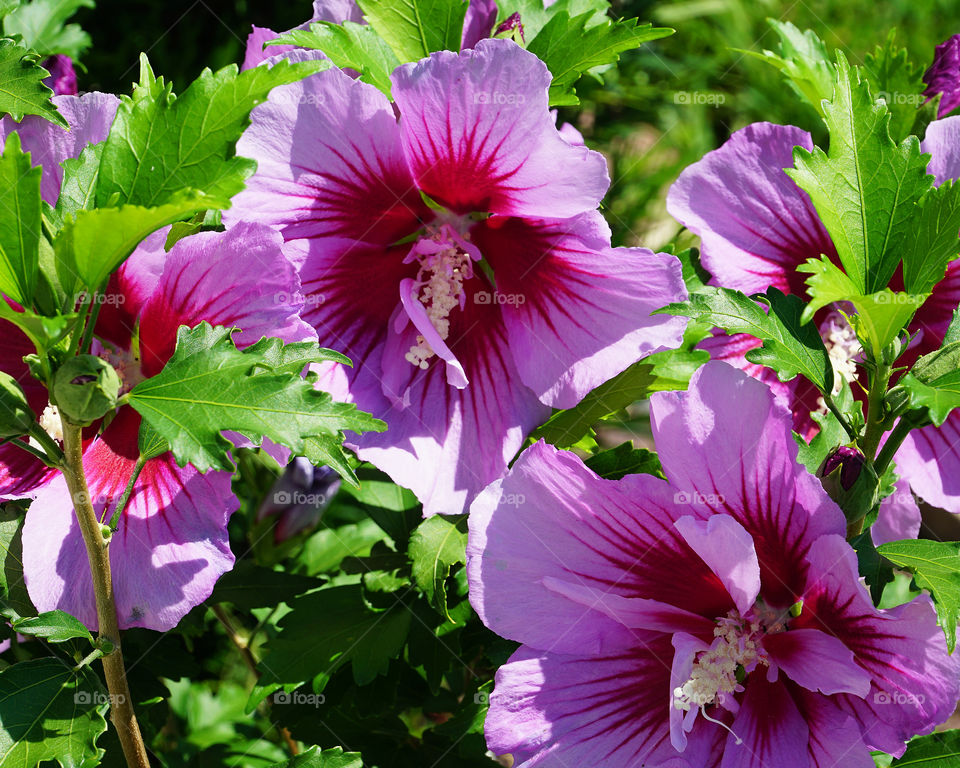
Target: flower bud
x,y
849,461
299,498
511,28
942,76
16,416
85,389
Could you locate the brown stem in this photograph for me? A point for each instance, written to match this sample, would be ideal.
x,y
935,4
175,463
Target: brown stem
x,y
121,703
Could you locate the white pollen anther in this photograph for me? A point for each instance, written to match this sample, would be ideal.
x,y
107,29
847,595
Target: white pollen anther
x,y
444,266
714,673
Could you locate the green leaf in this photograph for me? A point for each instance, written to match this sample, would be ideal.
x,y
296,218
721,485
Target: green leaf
x,y
830,436
42,24
874,569
90,247
934,242
50,712
44,332
803,59
54,627
898,82
416,28
570,48
934,382
438,544
881,316
938,750
827,284
327,451
936,567
14,600
22,91
327,758
349,632
250,585
625,460
789,347
534,14
348,46
7,7
660,372
20,221
209,386
160,144
78,191
866,187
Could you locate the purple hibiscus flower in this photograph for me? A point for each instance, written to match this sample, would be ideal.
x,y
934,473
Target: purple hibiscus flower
x,y
757,226
456,254
712,619
943,76
172,543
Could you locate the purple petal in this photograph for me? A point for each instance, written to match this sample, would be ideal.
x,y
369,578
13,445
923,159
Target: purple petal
x,y
743,462
577,311
943,76
479,137
929,460
255,54
756,225
168,553
552,517
337,11
239,278
915,682
448,444
89,117
63,78
417,314
771,727
835,738
899,516
479,21
817,661
942,141
551,711
724,545
329,163
686,648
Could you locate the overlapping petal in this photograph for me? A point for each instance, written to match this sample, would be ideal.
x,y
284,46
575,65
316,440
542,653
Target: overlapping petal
x,y
478,135
577,311
755,224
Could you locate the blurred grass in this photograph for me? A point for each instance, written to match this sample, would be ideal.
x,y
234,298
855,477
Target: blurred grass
x,y
642,117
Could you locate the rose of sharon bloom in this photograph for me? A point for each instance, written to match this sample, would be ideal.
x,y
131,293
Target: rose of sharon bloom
x,y
171,545
757,226
715,619
943,76
471,315
89,117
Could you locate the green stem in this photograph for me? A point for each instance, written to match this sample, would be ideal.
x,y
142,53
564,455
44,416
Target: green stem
x,y
15,441
879,379
121,711
95,654
80,331
91,324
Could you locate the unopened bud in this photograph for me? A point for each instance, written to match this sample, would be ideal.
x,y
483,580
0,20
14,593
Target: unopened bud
x,y
86,389
849,461
511,28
